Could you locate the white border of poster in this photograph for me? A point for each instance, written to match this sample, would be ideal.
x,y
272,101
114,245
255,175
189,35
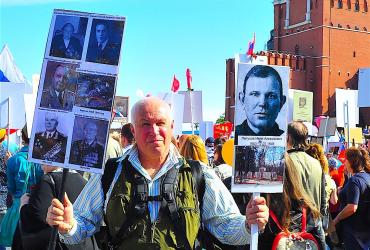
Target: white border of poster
x,y
193,106
76,91
259,158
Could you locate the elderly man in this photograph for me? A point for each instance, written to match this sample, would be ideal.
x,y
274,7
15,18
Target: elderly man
x,y
88,151
50,144
262,98
101,49
65,44
142,172
57,96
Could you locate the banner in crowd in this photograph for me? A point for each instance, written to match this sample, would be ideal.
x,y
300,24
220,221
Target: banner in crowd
x,y
260,128
355,135
302,105
364,87
76,90
222,129
343,96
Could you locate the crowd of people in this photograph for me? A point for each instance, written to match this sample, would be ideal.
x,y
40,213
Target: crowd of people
x,y
163,192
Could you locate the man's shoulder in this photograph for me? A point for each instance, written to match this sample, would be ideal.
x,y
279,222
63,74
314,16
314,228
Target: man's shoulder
x,y
60,135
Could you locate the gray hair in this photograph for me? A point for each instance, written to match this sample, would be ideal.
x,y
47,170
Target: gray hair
x,y
136,108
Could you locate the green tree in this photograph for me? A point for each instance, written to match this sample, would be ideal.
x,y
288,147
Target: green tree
x,y
221,119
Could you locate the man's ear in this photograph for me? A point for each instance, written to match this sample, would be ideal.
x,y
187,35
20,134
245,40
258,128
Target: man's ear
x,y
241,96
172,124
132,129
283,100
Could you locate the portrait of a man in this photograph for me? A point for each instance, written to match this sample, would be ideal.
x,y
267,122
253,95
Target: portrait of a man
x,y
65,44
57,95
105,42
261,99
87,151
50,144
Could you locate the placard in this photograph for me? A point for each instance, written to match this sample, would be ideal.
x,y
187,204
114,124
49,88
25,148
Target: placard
x,y
260,128
76,91
343,96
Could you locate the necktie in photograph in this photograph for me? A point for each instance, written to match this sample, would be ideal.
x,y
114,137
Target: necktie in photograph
x,y
100,45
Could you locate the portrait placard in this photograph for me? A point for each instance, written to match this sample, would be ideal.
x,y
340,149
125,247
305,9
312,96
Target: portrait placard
x,y
121,105
260,123
77,86
343,96
302,105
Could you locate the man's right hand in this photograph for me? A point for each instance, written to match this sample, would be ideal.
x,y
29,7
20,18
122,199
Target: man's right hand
x,y
61,215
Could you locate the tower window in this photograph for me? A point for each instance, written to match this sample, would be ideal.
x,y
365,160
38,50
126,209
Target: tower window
x,y
340,4
332,3
365,5
354,53
357,5
364,28
356,28
349,4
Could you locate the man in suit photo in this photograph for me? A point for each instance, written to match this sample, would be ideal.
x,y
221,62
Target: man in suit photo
x,y
65,44
102,49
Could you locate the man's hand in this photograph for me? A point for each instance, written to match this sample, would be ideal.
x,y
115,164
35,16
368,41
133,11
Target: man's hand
x,y
61,215
257,212
7,156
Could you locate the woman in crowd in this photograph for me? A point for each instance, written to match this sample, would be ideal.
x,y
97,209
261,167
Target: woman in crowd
x,y
193,148
35,232
22,176
287,207
223,170
354,197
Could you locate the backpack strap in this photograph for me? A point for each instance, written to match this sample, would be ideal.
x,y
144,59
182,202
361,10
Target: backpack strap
x,y
109,171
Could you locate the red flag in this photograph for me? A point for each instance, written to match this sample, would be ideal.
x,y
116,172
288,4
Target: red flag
x,y
251,46
188,78
175,84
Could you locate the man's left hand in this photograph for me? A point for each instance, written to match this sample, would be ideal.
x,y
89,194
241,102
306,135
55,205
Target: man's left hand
x,y
257,213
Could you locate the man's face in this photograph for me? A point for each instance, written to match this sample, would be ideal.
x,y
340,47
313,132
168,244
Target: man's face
x,y
59,79
90,132
262,102
101,33
51,123
67,32
152,130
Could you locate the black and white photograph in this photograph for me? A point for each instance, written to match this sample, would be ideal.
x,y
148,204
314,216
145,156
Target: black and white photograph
x,y
105,41
50,138
261,101
259,164
68,37
87,148
95,91
59,86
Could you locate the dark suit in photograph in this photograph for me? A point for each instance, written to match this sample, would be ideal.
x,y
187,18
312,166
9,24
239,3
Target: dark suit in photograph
x,y
72,51
64,101
85,154
107,55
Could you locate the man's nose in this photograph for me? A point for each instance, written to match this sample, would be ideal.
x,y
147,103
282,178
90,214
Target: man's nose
x,y
154,129
262,101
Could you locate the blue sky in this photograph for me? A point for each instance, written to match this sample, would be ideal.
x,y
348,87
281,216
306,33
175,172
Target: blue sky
x,y
161,38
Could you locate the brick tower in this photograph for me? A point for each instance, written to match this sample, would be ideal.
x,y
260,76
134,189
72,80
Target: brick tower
x,y
333,36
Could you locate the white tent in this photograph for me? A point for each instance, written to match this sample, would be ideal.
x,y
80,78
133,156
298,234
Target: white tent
x,y
12,107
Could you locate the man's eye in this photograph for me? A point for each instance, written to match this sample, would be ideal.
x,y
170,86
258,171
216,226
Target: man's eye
x,y
254,94
161,123
272,96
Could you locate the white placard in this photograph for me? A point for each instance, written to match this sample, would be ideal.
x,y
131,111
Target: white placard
x,y
206,130
260,126
76,91
364,87
193,106
176,102
341,97
15,92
